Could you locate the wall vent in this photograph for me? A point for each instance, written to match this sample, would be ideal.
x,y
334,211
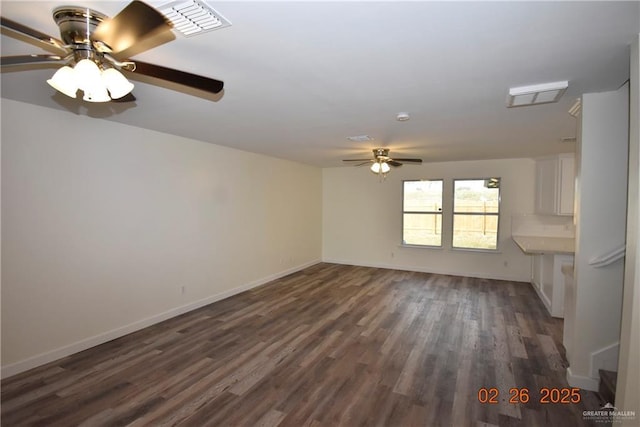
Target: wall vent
x,y
193,17
575,108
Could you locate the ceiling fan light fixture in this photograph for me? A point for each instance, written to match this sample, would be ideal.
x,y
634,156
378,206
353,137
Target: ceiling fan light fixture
x,y
97,94
380,167
87,74
117,84
98,85
64,80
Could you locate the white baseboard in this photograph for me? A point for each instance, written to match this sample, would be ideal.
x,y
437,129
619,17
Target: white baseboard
x,y
421,269
50,356
586,383
542,296
605,358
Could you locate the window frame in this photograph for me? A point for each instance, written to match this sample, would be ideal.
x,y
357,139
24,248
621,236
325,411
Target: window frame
x,y
496,214
441,213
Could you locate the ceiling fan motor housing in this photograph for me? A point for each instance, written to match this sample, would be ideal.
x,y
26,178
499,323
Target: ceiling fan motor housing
x,y
381,153
77,24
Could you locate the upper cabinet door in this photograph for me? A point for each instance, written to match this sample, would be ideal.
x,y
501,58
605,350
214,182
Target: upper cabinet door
x,y
567,185
555,179
546,179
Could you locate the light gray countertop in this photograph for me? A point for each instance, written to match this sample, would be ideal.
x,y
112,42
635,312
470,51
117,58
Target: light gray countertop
x,y
545,245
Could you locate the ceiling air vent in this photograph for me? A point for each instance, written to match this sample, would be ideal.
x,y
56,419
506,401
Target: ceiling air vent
x,y
536,94
360,138
193,17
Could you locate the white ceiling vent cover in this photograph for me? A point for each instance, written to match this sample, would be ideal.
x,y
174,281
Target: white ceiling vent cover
x,y
536,94
193,17
360,138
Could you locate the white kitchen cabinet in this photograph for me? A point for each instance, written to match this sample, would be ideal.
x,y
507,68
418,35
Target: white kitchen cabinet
x,y
548,280
550,255
555,178
567,184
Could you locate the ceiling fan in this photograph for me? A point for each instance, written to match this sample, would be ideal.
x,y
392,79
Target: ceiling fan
x,y
381,162
94,49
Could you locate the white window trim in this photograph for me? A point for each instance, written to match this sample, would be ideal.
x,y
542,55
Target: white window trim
x,y
441,213
453,214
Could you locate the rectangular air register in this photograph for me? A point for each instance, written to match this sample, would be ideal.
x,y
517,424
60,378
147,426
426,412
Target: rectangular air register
x,y
536,94
360,138
193,17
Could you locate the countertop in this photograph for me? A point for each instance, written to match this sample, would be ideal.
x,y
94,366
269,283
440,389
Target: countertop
x,y
545,245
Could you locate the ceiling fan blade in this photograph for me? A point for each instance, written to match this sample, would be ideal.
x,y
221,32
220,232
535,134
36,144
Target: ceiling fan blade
x,y
134,24
408,160
181,77
394,163
30,59
33,35
361,161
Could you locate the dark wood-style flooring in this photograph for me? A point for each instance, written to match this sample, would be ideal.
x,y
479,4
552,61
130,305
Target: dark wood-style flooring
x,y
331,345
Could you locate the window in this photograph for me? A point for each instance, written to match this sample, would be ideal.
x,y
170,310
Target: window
x,y
476,209
422,213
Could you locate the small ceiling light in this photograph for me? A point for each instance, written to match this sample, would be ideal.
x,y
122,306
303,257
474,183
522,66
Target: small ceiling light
x,y
96,94
536,94
64,80
116,83
402,117
87,74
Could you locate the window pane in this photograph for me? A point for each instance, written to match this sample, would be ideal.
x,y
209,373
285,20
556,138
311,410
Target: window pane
x,y
422,229
422,196
475,231
476,195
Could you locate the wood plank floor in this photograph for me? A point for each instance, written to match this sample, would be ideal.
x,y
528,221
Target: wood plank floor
x,y
332,345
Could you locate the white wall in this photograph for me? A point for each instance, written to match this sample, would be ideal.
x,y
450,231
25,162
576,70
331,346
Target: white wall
x,y
593,313
103,224
628,387
362,218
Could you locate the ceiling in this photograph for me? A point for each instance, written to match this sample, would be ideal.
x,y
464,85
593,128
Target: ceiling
x,y
300,77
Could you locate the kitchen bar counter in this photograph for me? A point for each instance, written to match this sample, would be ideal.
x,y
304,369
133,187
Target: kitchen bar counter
x,y
545,245
550,255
